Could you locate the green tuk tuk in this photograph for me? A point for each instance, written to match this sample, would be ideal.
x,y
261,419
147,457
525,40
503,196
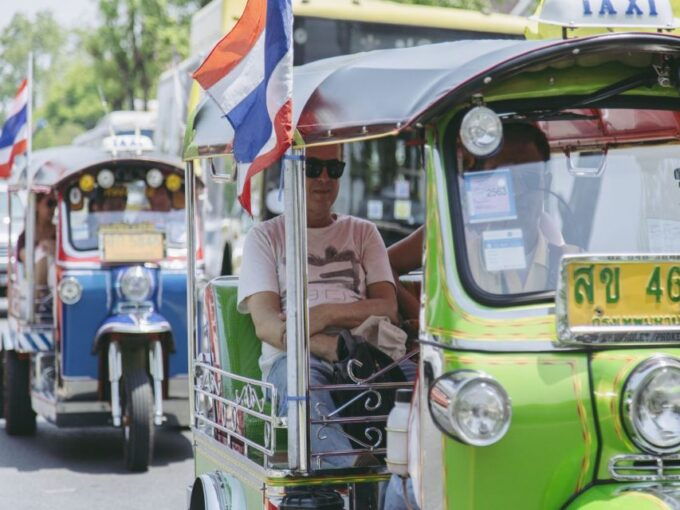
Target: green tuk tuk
x,y
549,329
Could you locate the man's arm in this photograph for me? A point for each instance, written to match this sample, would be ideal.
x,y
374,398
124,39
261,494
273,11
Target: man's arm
x,y
381,300
265,308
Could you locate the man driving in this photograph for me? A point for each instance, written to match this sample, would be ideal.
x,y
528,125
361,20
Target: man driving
x,y
349,280
514,245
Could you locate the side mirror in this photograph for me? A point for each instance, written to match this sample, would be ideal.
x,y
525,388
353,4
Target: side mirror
x,y
586,162
222,169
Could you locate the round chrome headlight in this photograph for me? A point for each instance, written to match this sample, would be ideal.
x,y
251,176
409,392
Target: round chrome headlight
x,y
471,407
481,131
136,284
651,405
69,290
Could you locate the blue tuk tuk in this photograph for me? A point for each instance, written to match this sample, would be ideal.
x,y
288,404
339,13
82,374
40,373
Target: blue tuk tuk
x,y
97,322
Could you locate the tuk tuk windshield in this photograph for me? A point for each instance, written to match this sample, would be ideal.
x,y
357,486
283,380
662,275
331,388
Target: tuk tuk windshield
x,y
129,201
595,181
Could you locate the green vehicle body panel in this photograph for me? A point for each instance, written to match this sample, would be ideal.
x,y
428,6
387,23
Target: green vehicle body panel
x,y
607,497
550,449
610,373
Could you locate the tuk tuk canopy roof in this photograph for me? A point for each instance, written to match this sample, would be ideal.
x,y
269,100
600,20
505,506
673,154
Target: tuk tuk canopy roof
x,y
382,92
49,167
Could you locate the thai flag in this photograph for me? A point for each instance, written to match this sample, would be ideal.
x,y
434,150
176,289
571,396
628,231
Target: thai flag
x,y
249,73
14,137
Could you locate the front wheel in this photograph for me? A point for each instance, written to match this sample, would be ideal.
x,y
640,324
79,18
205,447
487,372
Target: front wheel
x,y
19,415
138,426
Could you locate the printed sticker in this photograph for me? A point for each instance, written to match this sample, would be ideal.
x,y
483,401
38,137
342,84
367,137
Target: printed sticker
x,y
402,209
504,250
663,235
375,210
489,196
402,188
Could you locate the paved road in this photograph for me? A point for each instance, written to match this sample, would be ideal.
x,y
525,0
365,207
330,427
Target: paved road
x,y
82,469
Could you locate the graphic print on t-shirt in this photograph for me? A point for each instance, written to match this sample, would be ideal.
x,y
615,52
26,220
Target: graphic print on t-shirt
x,y
334,277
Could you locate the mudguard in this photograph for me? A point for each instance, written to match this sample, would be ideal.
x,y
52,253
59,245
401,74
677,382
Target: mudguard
x,y
217,491
628,497
132,324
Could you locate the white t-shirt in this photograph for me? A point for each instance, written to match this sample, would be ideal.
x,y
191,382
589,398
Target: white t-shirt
x,y
342,260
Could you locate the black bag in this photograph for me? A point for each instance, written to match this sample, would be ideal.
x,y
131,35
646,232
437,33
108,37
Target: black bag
x,y
372,360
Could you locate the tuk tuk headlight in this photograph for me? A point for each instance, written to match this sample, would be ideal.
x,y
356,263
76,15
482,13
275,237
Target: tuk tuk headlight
x,y
136,284
481,131
471,407
651,405
69,290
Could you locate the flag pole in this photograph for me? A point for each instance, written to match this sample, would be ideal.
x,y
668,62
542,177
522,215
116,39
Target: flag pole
x,y
30,216
29,112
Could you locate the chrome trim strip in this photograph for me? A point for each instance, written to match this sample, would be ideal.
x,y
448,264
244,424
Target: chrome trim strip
x,y
140,328
657,470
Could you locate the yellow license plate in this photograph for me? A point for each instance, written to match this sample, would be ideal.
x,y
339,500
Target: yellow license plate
x,y
120,247
636,295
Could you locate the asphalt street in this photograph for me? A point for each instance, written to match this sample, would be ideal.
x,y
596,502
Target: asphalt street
x,y
74,469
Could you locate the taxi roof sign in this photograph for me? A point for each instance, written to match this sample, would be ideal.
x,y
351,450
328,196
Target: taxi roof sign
x,y
647,14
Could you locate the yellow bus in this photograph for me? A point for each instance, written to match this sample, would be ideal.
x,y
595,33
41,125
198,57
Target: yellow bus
x,y
327,28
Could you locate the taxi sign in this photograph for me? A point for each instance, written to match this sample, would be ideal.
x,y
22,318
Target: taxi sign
x,y
619,300
654,14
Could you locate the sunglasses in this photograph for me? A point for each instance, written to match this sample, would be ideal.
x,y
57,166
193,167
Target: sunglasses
x,y
314,167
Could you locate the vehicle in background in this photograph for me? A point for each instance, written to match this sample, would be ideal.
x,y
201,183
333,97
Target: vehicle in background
x,y
97,325
121,131
323,28
548,342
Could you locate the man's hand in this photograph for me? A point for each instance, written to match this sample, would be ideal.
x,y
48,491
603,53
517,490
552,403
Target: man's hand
x,y
324,346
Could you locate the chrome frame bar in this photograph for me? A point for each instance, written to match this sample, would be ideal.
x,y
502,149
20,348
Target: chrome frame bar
x,y
297,347
192,337
29,256
156,369
115,373
272,420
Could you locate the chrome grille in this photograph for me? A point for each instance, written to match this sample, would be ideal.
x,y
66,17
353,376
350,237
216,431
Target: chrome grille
x,y
645,468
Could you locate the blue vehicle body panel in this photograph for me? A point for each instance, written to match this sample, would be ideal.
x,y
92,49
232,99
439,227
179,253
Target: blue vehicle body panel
x,y
81,321
97,308
173,306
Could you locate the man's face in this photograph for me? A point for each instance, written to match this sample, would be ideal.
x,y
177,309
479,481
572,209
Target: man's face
x,y
322,190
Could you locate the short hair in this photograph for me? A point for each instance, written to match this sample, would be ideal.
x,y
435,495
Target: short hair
x,y
525,131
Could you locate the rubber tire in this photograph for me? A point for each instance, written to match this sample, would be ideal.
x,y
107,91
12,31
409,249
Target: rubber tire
x,y
138,426
19,415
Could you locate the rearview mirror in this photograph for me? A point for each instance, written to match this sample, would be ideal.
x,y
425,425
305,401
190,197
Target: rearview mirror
x,y
586,162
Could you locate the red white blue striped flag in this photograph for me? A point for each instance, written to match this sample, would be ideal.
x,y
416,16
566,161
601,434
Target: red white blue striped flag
x,y
249,73
14,137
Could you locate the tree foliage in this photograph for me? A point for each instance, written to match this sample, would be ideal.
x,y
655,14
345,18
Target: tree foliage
x,y
136,41
45,38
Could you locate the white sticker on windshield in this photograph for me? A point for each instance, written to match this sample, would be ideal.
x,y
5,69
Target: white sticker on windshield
x,y
402,209
375,210
489,196
504,250
402,188
663,235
